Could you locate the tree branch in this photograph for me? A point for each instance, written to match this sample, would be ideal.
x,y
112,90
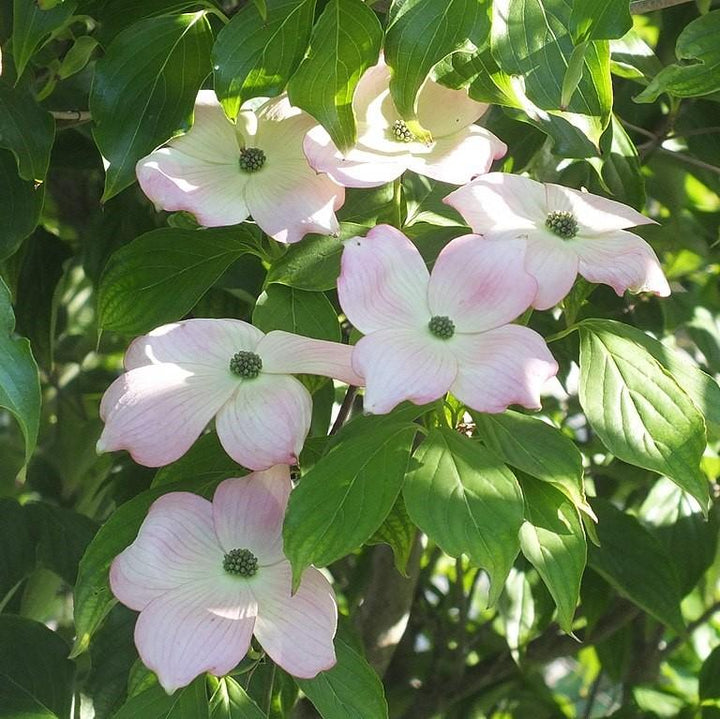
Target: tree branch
x,y
639,7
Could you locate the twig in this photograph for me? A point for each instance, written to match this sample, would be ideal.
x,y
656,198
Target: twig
x,y
678,641
638,7
639,130
71,115
344,410
592,695
690,160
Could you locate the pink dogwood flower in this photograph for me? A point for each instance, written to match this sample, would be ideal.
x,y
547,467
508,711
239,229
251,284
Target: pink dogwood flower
x,y
223,173
180,376
206,576
427,334
567,232
385,148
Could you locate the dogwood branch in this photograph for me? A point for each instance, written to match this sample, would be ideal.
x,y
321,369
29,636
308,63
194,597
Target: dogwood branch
x,y
639,7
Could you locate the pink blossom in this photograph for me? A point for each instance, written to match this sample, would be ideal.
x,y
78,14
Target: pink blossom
x,y
385,148
428,334
181,375
223,173
206,576
567,232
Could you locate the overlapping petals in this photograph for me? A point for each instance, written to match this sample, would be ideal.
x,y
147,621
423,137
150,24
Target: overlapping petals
x,y
427,334
200,172
594,244
195,615
459,150
179,377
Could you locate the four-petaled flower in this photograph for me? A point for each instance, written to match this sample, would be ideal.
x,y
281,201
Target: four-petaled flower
x,y
567,232
223,173
386,147
180,376
427,334
206,576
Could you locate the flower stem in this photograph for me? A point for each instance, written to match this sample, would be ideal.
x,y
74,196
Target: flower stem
x,y
397,202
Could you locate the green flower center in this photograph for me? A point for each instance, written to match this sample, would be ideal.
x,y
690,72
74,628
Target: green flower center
x,y
251,159
246,365
240,561
442,327
563,224
401,133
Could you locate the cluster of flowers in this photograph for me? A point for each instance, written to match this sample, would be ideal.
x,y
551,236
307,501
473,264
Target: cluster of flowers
x,y
206,575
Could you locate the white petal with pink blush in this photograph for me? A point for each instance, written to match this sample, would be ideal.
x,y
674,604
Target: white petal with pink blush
x,y
568,232
217,575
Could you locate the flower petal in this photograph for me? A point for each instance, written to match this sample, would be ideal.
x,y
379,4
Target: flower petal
x,y
157,412
622,260
507,365
176,545
443,111
296,631
286,353
553,263
248,513
201,627
266,421
400,364
207,343
480,284
500,201
383,281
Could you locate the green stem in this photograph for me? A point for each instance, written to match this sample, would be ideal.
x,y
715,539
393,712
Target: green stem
x,y
397,202
560,335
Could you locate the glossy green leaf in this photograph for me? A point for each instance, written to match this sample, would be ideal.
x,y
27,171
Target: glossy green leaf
x,y
161,275
606,20
641,414
465,499
709,678
189,702
345,42
346,495
636,565
553,541
78,56
19,380
298,311
350,690
398,532
144,90
231,701
255,56
17,547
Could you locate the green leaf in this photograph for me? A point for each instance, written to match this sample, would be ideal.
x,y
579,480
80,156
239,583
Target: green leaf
x,y
419,36
19,380
398,532
709,678
698,73
303,313
33,27
27,131
350,690
189,702
537,448
343,499
553,541
607,20
17,547
636,565
77,57
467,501
345,42
144,90
255,56
34,670
638,410
230,701
160,276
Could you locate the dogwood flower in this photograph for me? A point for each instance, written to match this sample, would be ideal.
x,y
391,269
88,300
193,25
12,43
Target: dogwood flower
x,y
567,232
206,576
427,334
181,375
223,173
386,147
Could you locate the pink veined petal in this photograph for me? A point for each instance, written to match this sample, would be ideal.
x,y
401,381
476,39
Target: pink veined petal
x,y
553,263
296,631
459,157
157,412
200,627
266,421
480,284
383,281
286,353
622,260
504,366
400,364
176,545
248,513
593,213
500,201
443,111
207,343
